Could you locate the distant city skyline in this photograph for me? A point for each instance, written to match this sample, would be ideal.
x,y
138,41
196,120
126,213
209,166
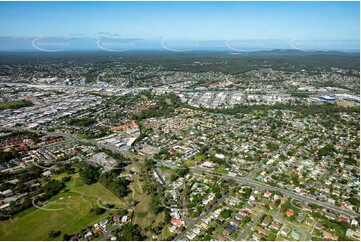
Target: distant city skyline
x,y
180,26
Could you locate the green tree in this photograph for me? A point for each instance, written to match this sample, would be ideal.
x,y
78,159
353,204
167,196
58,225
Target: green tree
x,y
226,213
131,232
54,234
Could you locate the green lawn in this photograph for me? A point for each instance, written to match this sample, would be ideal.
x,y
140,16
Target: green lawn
x,y
85,136
35,224
189,163
165,233
199,157
141,215
144,97
220,169
168,101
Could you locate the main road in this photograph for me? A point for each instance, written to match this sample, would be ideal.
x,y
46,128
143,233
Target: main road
x,y
240,180
291,194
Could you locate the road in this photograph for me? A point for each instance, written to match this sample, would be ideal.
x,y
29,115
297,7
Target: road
x,y
250,226
324,175
76,138
291,194
93,88
296,196
240,180
106,234
308,234
204,214
190,222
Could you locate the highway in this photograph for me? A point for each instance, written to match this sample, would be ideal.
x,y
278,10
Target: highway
x,y
92,88
240,180
291,194
294,195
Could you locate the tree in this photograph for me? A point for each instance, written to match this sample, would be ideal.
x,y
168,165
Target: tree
x,y
354,201
89,174
285,206
247,219
54,234
167,217
272,236
149,163
53,187
173,177
66,237
226,213
66,178
118,185
6,156
99,210
131,232
183,171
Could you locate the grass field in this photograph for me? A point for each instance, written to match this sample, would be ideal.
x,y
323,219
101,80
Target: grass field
x,y
35,224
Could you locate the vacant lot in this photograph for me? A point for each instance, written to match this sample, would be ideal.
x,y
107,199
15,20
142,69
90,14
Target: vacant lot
x,y
345,104
69,213
143,217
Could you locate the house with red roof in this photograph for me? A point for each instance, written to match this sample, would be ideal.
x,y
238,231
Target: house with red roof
x,y
262,231
290,213
267,194
329,236
176,222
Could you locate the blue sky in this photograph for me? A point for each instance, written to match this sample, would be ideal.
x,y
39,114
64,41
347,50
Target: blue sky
x,y
304,21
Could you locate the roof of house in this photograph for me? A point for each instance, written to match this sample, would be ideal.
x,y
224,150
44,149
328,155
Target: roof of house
x,y
176,222
97,230
262,231
290,213
275,225
267,194
328,235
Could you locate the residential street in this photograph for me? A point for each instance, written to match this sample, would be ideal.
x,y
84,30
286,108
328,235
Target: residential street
x,y
249,227
203,215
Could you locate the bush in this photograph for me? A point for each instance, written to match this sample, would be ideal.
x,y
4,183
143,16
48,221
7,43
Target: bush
x,y
99,211
66,237
54,234
226,213
66,178
15,104
53,187
354,201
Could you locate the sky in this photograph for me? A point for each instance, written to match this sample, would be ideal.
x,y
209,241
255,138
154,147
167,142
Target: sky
x,y
310,24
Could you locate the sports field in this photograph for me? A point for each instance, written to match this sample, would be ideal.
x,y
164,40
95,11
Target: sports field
x,y
67,212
